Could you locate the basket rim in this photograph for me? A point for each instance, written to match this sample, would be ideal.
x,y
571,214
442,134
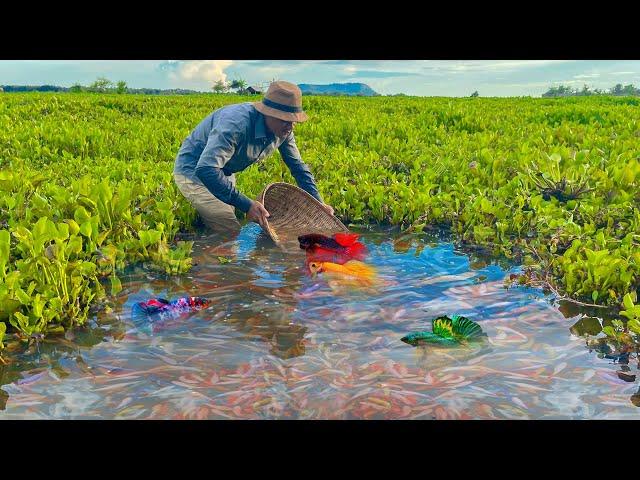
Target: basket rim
x,y
270,231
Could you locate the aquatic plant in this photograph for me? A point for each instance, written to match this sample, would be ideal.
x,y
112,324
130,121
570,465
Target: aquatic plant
x,y
86,188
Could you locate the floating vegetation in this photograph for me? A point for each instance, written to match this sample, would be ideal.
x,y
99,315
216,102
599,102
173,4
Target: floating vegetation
x,y
108,199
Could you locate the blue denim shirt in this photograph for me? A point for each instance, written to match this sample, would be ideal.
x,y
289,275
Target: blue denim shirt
x,y
229,140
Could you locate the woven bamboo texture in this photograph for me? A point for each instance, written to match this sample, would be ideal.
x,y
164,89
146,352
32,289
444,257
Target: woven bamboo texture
x,y
294,212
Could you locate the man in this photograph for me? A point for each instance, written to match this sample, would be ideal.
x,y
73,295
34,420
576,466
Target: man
x,y
230,140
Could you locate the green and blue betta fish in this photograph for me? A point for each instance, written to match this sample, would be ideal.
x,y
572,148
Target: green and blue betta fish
x,y
447,331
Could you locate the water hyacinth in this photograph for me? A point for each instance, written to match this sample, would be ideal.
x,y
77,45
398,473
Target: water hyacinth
x,y
538,180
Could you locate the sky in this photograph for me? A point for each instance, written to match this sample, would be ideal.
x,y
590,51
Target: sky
x,y
456,78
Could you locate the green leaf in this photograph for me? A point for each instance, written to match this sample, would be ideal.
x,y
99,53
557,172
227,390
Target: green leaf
x,y
627,302
75,245
3,329
22,296
81,215
74,228
5,244
86,229
594,295
86,268
609,331
223,260
63,231
116,285
634,326
23,321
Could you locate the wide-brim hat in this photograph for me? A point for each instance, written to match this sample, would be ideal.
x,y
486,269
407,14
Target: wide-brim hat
x,y
283,100
293,212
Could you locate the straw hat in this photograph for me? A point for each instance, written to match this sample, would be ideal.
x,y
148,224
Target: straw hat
x,y
283,100
294,212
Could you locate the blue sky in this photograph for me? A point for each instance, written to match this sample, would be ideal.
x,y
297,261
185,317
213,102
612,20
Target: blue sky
x,y
420,77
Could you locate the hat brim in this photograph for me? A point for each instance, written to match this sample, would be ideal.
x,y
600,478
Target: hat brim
x,y
286,116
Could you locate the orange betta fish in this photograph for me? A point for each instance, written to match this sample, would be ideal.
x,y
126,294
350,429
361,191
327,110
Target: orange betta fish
x,y
351,269
339,249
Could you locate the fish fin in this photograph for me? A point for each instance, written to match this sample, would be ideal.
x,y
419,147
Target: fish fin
x,y
357,250
360,269
346,239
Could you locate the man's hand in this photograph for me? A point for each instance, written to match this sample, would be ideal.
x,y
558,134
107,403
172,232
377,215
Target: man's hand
x,y
328,208
257,213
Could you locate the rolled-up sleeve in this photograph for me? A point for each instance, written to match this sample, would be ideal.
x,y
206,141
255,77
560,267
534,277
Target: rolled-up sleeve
x,y
220,147
299,170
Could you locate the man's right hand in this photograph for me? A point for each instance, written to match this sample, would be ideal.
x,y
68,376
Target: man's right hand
x,y
257,213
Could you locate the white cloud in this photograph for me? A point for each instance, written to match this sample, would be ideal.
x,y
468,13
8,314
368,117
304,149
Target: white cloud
x,y
209,71
587,75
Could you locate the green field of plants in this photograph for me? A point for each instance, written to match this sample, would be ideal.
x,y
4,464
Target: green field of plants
x,y
86,188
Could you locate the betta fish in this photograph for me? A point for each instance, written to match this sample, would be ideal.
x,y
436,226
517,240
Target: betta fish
x,y
339,249
179,306
447,331
351,269
159,313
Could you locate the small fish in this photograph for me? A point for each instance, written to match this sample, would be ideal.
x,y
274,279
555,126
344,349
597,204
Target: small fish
x,y
352,268
181,305
342,246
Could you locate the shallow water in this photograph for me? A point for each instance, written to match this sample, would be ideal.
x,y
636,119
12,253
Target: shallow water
x,y
276,343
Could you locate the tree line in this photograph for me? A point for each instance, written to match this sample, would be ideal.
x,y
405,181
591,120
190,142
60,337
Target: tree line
x,y
618,90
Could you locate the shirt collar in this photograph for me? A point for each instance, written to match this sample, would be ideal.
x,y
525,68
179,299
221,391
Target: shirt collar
x,y
261,128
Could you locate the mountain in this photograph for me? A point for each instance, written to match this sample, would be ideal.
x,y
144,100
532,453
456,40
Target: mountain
x,y
360,89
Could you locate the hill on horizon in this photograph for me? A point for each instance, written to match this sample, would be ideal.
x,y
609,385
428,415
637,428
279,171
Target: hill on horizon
x,y
361,89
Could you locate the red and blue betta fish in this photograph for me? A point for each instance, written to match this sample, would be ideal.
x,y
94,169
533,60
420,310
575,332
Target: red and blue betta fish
x,y
158,313
339,249
179,306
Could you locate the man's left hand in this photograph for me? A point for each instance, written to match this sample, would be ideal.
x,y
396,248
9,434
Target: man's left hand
x,y
328,208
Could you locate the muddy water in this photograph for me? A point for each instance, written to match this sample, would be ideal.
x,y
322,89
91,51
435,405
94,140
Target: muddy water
x,y
276,343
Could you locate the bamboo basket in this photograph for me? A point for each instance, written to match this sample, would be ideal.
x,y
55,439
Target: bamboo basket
x,y
294,212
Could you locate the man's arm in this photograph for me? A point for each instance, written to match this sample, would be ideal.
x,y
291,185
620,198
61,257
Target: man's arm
x,y
299,170
220,147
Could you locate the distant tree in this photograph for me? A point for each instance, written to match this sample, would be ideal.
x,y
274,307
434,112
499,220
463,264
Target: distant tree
x,y
220,86
121,87
76,88
101,85
475,94
617,90
238,85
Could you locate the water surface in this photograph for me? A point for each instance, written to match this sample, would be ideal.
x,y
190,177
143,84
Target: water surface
x,y
276,343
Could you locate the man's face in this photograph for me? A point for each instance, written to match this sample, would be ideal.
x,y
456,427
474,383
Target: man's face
x,y
279,128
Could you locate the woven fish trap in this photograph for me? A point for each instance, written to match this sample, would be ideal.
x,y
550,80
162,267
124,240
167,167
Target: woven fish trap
x,y
293,212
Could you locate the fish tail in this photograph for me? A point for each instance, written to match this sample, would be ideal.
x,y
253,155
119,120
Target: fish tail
x,y
346,239
360,269
357,250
